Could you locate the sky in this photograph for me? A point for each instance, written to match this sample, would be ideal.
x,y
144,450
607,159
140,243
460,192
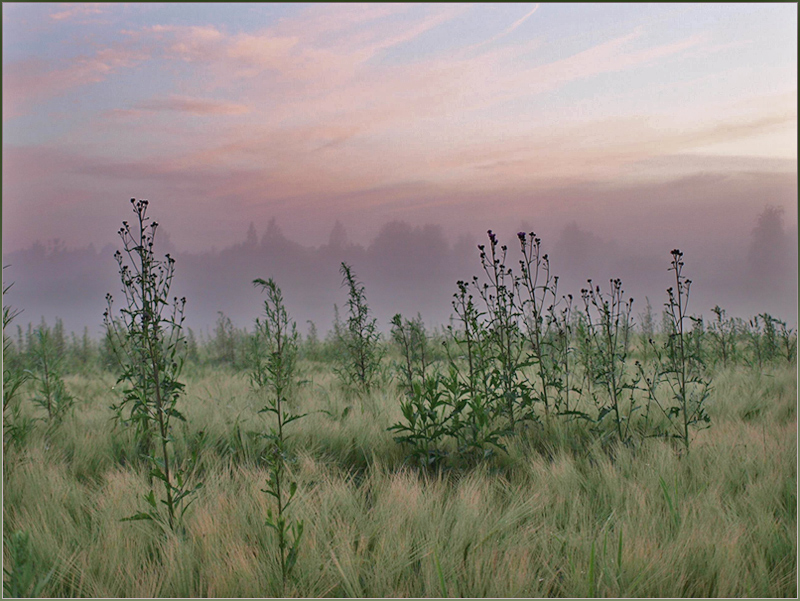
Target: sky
x,y
645,124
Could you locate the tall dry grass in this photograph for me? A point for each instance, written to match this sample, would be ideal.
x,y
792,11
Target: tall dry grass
x,y
560,515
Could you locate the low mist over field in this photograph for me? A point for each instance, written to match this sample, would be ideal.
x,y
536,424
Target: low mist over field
x,y
745,261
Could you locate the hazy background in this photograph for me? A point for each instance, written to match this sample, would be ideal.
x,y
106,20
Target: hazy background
x,y
616,132
747,269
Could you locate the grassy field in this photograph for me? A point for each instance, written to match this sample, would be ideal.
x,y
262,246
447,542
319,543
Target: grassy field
x,y
558,515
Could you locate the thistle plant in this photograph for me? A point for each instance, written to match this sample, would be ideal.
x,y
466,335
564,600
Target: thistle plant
x,y
608,318
563,324
679,364
546,329
586,351
412,341
273,377
474,414
359,339
696,342
148,343
470,338
505,342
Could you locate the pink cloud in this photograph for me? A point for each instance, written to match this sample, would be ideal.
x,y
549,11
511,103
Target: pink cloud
x,y
30,81
193,106
321,106
79,10
188,43
327,119
321,47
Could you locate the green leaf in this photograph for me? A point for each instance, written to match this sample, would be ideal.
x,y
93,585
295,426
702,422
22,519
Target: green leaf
x,y
157,473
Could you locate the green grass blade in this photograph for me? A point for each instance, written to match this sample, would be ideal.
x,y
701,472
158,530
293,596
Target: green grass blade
x,y
442,583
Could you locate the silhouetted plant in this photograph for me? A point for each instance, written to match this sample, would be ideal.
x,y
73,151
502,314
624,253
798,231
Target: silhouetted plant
x,y
722,332
607,322
273,377
586,352
475,413
359,339
470,339
562,380
762,339
505,343
312,347
788,341
679,366
412,341
548,330
148,341
696,342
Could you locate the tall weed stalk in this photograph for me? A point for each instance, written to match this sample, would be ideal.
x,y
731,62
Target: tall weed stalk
x,y
360,339
679,364
608,319
148,341
273,377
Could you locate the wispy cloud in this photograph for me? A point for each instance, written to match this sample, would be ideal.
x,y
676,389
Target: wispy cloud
x,y
194,106
85,9
30,81
507,31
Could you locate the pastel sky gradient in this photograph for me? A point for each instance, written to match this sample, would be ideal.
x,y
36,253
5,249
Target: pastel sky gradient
x,y
466,115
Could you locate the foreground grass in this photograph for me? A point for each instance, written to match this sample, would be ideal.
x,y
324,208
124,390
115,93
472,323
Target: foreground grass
x,y
555,517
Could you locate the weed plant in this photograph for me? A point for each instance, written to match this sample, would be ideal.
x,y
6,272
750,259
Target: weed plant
x,y
608,318
148,341
411,339
547,329
359,339
273,378
680,364
508,389
477,423
722,332
51,394
16,427
787,338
